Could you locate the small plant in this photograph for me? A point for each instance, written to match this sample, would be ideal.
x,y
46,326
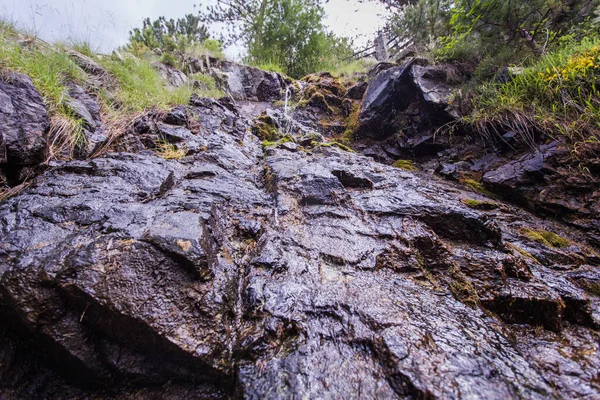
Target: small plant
x,y
549,239
406,165
169,151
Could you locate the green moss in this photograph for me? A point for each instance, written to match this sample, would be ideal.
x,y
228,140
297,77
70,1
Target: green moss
x,y
406,165
342,146
285,139
477,187
479,204
352,123
332,144
169,151
265,129
462,287
549,239
319,101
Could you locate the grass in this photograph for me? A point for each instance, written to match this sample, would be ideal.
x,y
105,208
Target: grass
x,y
406,165
269,66
139,86
49,69
557,95
549,239
351,68
211,86
169,151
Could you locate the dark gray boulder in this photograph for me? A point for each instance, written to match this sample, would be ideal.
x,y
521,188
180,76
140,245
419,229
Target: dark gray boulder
x,y
389,93
239,271
248,83
24,121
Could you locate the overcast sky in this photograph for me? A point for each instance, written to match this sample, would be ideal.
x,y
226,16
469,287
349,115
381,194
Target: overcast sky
x,y
106,23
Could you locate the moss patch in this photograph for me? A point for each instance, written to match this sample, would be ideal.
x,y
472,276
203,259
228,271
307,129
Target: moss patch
x,y
477,187
479,204
269,143
351,123
264,127
549,239
339,145
462,288
406,165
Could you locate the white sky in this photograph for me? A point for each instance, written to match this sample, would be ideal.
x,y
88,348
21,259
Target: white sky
x,y
106,23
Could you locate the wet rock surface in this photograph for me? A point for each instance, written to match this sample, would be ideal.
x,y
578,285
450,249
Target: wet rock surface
x,y
290,271
24,122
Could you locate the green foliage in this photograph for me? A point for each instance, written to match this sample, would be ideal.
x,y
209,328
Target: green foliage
x,y
169,59
141,87
49,69
495,24
211,47
425,20
169,35
340,67
282,35
269,65
292,35
557,94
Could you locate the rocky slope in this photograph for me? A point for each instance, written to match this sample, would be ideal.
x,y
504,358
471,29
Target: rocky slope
x,y
292,269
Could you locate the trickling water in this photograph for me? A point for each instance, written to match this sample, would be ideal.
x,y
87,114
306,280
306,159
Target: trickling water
x,y
286,110
289,90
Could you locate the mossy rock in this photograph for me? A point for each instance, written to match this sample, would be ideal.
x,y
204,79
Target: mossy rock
x,y
548,239
480,204
406,165
264,128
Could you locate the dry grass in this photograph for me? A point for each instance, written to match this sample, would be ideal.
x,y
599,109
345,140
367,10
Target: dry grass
x,y
169,151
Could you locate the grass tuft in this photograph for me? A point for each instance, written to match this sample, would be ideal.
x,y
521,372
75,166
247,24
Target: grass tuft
x,y
169,151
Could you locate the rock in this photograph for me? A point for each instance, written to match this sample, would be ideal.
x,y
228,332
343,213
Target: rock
x,y
541,180
409,101
85,106
433,84
24,122
356,91
172,76
247,272
388,94
248,83
98,75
